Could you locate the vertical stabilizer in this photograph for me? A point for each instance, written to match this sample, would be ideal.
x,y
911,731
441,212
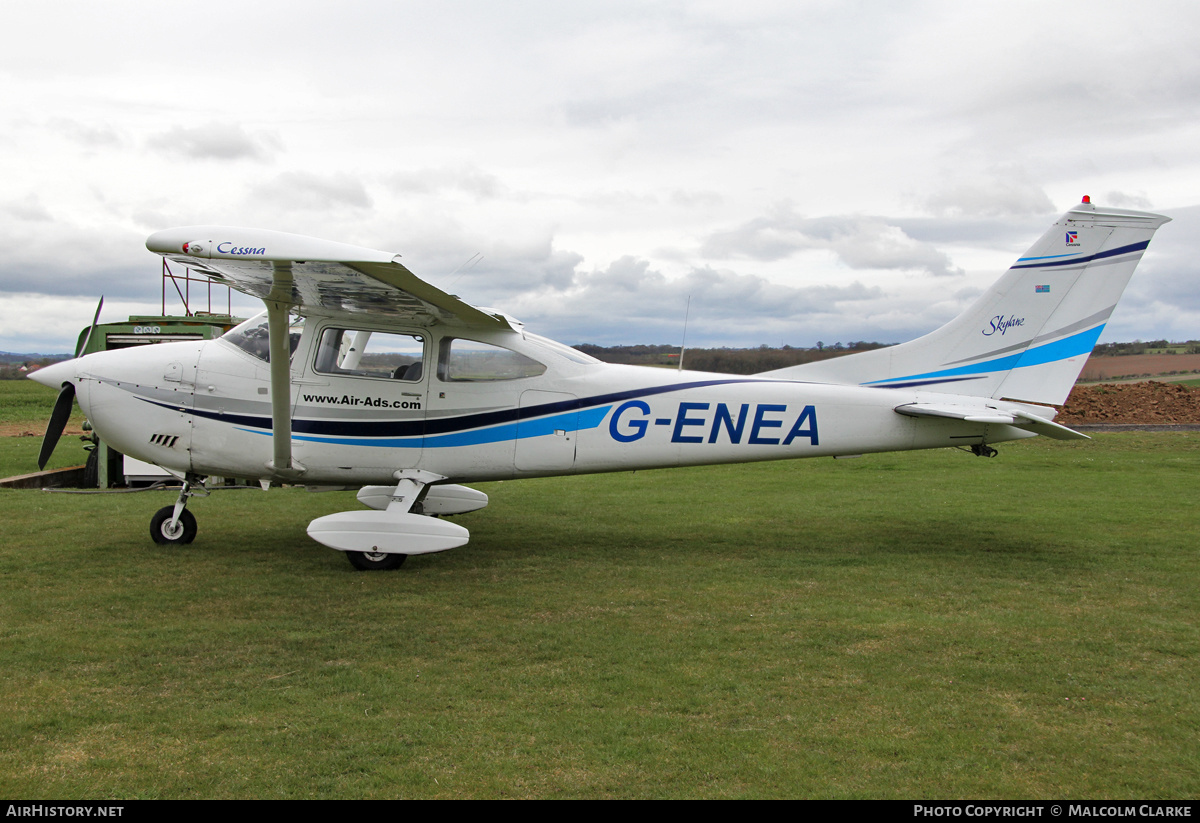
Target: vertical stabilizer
x,y
1029,335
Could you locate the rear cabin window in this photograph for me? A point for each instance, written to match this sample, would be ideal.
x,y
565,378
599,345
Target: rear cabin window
x,y
462,360
365,353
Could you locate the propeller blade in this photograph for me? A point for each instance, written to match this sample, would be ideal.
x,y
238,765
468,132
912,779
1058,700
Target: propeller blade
x,y
58,422
84,343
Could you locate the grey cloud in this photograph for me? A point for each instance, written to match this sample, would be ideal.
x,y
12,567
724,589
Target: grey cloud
x,y
58,258
629,301
1004,195
505,271
304,190
86,134
483,271
466,179
1016,232
694,199
1127,201
215,141
860,242
29,209
54,279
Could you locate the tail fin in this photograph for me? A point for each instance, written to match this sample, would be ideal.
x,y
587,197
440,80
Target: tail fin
x,y
1029,335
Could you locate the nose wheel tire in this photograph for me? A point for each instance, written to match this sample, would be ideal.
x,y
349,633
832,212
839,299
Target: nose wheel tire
x,y
161,530
375,561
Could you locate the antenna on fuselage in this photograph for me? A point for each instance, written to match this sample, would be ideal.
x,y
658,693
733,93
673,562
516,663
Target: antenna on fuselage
x,y
683,343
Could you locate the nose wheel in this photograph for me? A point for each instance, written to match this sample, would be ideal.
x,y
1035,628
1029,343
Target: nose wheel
x,y
175,525
166,530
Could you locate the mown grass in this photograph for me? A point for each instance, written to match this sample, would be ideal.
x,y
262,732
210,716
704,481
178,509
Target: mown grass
x,y
909,625
25,408
27,403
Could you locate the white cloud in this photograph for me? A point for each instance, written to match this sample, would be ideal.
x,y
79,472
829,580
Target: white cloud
x,y
298,190
578,146
860,242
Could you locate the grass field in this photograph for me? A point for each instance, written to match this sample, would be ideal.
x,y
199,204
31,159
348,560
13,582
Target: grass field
x,y
25,408
926,625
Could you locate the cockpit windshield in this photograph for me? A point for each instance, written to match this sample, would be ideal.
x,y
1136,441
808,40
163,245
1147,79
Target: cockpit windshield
x,y
253,336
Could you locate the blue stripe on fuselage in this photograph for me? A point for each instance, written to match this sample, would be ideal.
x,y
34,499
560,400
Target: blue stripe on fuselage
x,y
1076,344
570,421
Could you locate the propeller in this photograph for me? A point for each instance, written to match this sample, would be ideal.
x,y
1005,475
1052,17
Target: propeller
x,y
58,422
62,406
83,344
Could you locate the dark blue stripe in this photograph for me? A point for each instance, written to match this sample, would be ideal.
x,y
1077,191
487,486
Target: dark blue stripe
x,y
1132,247
926,382
446,425
571,421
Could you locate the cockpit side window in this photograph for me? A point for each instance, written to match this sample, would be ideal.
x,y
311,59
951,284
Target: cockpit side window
x,y
367,353
472,361
254,337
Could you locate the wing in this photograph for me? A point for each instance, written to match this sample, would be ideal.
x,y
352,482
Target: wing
x,y
315,275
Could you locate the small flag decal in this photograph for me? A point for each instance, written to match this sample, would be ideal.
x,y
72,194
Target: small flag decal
x,y
1042,289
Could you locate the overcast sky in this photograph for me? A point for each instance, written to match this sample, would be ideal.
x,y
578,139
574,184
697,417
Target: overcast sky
x,y
803,171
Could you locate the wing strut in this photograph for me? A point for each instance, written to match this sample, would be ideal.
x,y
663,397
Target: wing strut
x,y
279,304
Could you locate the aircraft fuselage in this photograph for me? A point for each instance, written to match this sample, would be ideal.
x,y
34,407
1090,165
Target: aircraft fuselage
x,y
204,408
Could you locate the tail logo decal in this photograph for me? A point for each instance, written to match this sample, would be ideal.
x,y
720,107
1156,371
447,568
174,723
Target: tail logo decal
x,y
1001,324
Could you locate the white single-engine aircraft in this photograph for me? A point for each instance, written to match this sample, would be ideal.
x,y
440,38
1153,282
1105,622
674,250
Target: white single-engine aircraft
x,y
361,375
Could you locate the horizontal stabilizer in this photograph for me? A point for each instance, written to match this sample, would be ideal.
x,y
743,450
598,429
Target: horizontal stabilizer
x,y
972,414
989,414
1048,428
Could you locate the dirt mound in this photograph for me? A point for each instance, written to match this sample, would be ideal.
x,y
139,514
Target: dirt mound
x,y
1101,367
1149,402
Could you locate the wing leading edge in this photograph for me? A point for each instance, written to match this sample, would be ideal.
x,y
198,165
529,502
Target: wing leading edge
x,y
319,274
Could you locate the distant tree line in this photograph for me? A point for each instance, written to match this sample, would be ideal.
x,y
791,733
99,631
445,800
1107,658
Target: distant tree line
x,y
16,366
1148,347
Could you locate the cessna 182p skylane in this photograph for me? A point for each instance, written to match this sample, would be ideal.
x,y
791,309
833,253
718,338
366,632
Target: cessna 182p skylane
x,y
361,375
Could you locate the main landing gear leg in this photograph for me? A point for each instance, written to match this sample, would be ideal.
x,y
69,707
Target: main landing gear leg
x,y
175,525
411,487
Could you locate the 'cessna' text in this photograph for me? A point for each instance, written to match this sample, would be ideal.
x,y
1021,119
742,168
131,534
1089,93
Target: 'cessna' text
x,y
238,251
